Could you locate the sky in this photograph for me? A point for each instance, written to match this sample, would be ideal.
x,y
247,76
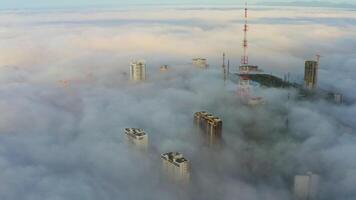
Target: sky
x,y
62,142
19,4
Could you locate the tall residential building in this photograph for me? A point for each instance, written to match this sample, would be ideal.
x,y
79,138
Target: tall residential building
x,y
311,74
138,71
200,62
137,137
210,125
306,186
176,166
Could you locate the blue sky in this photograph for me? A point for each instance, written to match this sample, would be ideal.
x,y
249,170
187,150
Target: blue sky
x,y
85,3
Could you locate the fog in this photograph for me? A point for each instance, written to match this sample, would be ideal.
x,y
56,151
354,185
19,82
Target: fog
x,y
67,142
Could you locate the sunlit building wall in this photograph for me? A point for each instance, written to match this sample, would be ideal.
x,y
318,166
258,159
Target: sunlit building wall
x,y
138,71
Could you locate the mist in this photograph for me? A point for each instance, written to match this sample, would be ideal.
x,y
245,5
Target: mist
x,y
60,142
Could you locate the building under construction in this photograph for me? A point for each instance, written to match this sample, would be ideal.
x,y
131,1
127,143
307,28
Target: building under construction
x,y
210,125
175,166
311,74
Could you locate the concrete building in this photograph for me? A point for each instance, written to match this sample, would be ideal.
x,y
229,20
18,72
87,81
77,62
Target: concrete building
x,y
175,166
200,62
209,125
137,137
306,186
311,74
138,71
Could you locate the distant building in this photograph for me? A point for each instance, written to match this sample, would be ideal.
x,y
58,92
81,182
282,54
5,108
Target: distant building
x,y
137,137
176,166
306,186
164,68
138,71
200,62
311,74
338,98
210,125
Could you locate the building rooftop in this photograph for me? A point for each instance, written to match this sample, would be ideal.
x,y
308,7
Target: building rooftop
x,y
208,116
138,62
311,61
135,131
174,157
200,59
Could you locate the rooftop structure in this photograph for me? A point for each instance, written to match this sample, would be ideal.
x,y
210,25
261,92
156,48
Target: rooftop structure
x,y
311,74
176,166
137,136
306,186
246,69
138,71
200,62
210,125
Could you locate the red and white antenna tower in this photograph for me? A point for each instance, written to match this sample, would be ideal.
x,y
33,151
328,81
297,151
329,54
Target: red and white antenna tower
x,y
244,82
244,58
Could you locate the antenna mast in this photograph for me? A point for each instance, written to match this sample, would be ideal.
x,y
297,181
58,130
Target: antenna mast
x,y
244,58
224,67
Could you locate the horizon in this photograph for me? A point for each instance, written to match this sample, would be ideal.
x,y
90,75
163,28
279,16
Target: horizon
x,y
34,4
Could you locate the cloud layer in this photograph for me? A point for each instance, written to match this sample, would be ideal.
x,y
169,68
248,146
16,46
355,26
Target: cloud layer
x,y
67,142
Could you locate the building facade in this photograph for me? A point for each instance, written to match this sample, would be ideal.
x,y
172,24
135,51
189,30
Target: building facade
x,y
175,166
311,74
137,137
138,71
306,186
210,125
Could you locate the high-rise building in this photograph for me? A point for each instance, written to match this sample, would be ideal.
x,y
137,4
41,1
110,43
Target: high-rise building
x,y
311,74
176,166
200,62
138,71
137,137
306,186
209,125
